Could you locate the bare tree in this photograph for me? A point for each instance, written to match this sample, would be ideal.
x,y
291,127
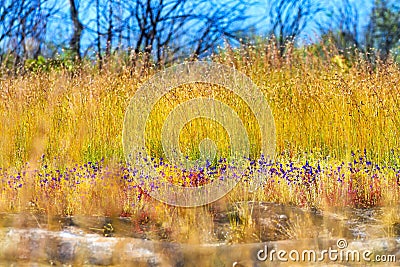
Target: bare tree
x,y
8,18
161,30
224,21
342,29
23,26
380,30
98,34
107,27
153,24
169,29
75,42
288,19
347,26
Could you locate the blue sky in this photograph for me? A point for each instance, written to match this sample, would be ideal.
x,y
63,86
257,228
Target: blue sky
x,y
310,33
60,27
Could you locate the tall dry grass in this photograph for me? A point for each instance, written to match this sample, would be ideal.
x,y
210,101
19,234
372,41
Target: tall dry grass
x,y
324,107
319,106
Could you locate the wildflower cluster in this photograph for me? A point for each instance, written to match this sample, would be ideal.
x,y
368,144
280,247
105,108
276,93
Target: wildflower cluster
x,y
307,183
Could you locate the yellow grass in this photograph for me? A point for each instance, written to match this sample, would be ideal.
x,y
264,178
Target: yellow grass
x,y
323,112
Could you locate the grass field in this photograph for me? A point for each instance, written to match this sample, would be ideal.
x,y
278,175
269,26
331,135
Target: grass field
x,y
337,133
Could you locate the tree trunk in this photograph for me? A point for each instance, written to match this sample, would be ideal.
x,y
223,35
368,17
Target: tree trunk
x,y
75,42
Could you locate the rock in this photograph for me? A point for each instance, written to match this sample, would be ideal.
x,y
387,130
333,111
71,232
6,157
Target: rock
x,y
100,251
272,222
40,247
396,228
82,240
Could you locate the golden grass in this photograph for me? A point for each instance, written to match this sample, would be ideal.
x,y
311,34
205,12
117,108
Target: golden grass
x,y
316,105
323,112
